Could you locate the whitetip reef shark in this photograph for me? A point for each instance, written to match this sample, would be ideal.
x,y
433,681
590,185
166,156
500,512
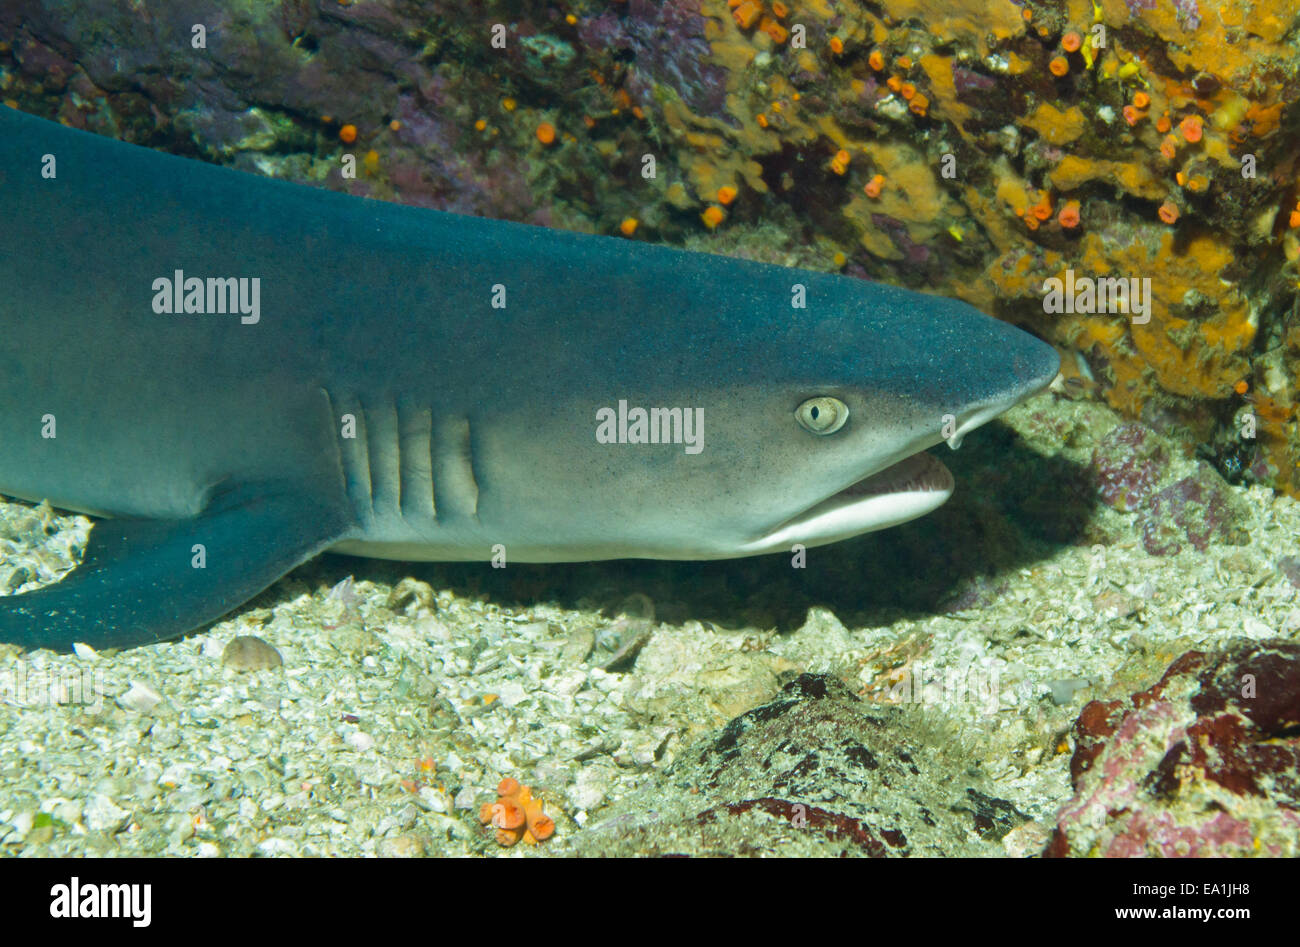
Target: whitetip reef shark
x,y
240,373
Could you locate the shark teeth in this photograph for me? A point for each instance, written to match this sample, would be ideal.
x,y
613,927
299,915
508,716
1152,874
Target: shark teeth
x,y
920,473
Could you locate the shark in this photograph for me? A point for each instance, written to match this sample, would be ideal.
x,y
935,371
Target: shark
x,y
234,374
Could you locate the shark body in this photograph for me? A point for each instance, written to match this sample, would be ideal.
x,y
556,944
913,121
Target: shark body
x,y
239,373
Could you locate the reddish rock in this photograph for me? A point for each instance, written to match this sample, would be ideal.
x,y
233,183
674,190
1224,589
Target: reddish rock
x,y
1198,510
1128,464
1204,762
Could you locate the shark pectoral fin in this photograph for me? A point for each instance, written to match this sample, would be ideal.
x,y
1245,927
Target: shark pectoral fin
x,y
143,581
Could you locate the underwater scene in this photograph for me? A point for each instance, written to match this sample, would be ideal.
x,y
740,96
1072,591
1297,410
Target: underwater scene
x,y
631,428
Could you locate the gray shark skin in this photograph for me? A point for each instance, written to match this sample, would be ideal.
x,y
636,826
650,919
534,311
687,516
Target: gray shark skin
x,y
375,401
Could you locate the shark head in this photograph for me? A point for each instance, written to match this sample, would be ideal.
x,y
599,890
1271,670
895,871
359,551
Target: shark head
x,y
759,433
853,456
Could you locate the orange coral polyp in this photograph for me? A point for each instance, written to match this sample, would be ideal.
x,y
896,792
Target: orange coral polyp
x,y
746,13
542,827
1191,127
508,815
1071,42
508,837
516,815
508,787
775,30
1058,66
1069,215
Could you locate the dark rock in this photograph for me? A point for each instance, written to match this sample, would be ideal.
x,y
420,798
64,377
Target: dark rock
x,y
817,771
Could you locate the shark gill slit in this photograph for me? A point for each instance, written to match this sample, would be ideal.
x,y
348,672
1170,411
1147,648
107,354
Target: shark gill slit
x,y
353,453
455,486
385,459
469,463
415,453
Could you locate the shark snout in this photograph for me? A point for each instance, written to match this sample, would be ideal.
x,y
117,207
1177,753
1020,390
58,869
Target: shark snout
x,y
1016,367
1035,365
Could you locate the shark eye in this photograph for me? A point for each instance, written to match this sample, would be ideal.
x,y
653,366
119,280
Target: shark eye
x,y
823,415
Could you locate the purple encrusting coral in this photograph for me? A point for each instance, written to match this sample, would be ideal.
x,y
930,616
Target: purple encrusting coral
x,y
435,170
1205,762
1189,14
1198,509
668,47
915,254
1127,464
968,80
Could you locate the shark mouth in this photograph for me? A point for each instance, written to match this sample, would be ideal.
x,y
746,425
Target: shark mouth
x,y
910,488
